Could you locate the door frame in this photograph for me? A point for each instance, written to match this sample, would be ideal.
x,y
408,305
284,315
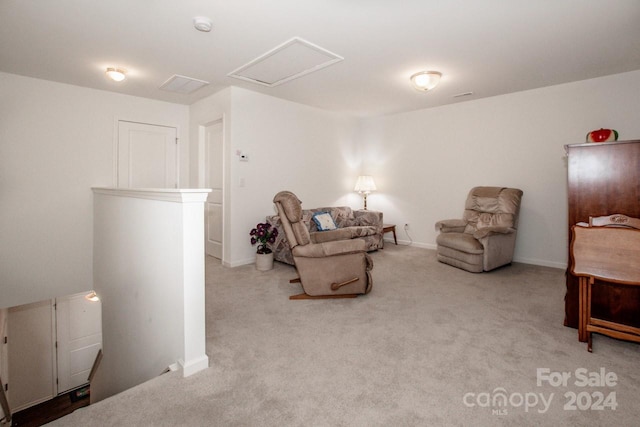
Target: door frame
x,y
116,127
202,166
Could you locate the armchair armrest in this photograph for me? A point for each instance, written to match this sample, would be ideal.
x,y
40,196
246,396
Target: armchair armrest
x,y
321,250
367,217
490,231
451,225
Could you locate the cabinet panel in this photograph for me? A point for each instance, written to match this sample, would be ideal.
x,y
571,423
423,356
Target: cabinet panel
x,y
31,354
603,179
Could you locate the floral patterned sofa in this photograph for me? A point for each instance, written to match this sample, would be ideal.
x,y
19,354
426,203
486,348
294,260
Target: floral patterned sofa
x,y
362,224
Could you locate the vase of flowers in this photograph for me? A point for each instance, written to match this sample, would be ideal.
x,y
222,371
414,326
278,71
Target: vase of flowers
x,y
264,234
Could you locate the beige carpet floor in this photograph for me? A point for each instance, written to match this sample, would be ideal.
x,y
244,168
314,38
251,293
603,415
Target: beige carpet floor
x,y
430,345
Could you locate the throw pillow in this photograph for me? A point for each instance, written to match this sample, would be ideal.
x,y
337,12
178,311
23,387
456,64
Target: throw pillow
x,y
324,221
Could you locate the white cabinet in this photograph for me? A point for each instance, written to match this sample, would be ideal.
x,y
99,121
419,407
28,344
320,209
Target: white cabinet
x,y
51,347
31,336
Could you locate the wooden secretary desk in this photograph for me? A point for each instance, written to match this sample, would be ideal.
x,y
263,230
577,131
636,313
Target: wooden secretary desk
x,y
603,179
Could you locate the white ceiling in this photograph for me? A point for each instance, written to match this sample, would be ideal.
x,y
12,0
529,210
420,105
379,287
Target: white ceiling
x,y
489,47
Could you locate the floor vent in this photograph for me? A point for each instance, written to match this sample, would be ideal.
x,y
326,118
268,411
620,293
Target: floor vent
x,y
182,84
292,59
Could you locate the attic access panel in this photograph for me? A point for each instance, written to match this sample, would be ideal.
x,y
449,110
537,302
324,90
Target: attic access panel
x,y
182,84
292,59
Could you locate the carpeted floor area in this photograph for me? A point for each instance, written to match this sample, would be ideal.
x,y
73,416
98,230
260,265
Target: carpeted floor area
x,y
430,345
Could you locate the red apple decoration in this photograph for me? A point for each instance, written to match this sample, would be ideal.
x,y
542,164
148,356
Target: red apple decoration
x,y
602,135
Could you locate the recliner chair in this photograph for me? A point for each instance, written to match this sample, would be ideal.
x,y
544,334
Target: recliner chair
x,y
326,268
485,237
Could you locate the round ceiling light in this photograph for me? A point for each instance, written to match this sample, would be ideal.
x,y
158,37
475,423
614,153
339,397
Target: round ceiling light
x,y
426,80
116,74
202,23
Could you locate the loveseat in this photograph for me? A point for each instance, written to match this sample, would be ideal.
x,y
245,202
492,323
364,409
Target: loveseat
x,y
354,224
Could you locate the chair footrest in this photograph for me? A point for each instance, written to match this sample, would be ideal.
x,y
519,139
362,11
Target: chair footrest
x,y
336,286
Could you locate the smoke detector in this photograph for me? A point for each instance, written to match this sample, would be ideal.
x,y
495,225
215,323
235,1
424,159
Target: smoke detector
x,y
202,23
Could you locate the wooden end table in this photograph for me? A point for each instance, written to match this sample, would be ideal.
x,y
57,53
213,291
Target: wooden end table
x,y
390,228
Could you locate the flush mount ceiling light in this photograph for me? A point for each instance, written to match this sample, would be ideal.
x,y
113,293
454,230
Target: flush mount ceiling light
x,y
92,296
202,23
426,80
116,74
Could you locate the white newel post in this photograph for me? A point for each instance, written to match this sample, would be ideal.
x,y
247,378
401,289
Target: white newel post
x,y
149,274
195,358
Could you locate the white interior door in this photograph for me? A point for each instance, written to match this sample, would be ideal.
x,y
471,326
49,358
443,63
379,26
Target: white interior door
x,y
213,179
79,335
147,156
31,354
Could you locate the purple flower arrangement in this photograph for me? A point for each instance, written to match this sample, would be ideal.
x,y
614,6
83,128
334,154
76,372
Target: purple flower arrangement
x,y
263,234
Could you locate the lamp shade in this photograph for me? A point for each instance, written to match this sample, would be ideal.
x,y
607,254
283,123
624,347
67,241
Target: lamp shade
x,y
116,74
92,296
365,184
426,80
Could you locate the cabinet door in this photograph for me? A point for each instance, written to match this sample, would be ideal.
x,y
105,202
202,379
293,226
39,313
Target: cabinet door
x,y
603,179
31,354
79,334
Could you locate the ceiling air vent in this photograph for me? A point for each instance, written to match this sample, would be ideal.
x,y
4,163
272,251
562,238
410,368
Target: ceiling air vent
x,y
292,59
182,84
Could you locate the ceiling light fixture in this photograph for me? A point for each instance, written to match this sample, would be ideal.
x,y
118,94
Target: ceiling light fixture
x,y
92,296
116,74
426,80
202,23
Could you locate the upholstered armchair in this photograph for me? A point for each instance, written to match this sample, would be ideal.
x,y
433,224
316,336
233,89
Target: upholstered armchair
x,y
328,266
485,237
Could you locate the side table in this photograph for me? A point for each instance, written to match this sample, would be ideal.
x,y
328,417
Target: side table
x,y
390,228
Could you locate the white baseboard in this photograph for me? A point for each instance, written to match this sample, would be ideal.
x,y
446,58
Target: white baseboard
x,y
239,263
541,262
409,243
433,246
194,365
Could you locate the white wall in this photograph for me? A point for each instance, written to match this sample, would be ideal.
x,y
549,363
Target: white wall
x,y
56,142
424,162
149,275
291,146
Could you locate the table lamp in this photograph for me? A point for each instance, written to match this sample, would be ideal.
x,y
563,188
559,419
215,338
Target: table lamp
x,y
364,186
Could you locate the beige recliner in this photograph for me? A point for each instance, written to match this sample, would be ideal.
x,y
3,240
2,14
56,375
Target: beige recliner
x,y
328,266
485,237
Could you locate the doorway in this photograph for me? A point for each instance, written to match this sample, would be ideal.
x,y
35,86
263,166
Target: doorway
x,y
52,345
147,156
214,179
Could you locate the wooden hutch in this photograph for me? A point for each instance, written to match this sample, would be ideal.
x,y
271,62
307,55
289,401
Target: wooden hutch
x,y
603,179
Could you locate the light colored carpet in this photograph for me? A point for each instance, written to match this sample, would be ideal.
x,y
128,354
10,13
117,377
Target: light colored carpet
x,y
404,355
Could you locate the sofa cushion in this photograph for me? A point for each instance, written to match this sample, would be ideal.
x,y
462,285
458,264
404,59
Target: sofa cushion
x,y
342,234
323,221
